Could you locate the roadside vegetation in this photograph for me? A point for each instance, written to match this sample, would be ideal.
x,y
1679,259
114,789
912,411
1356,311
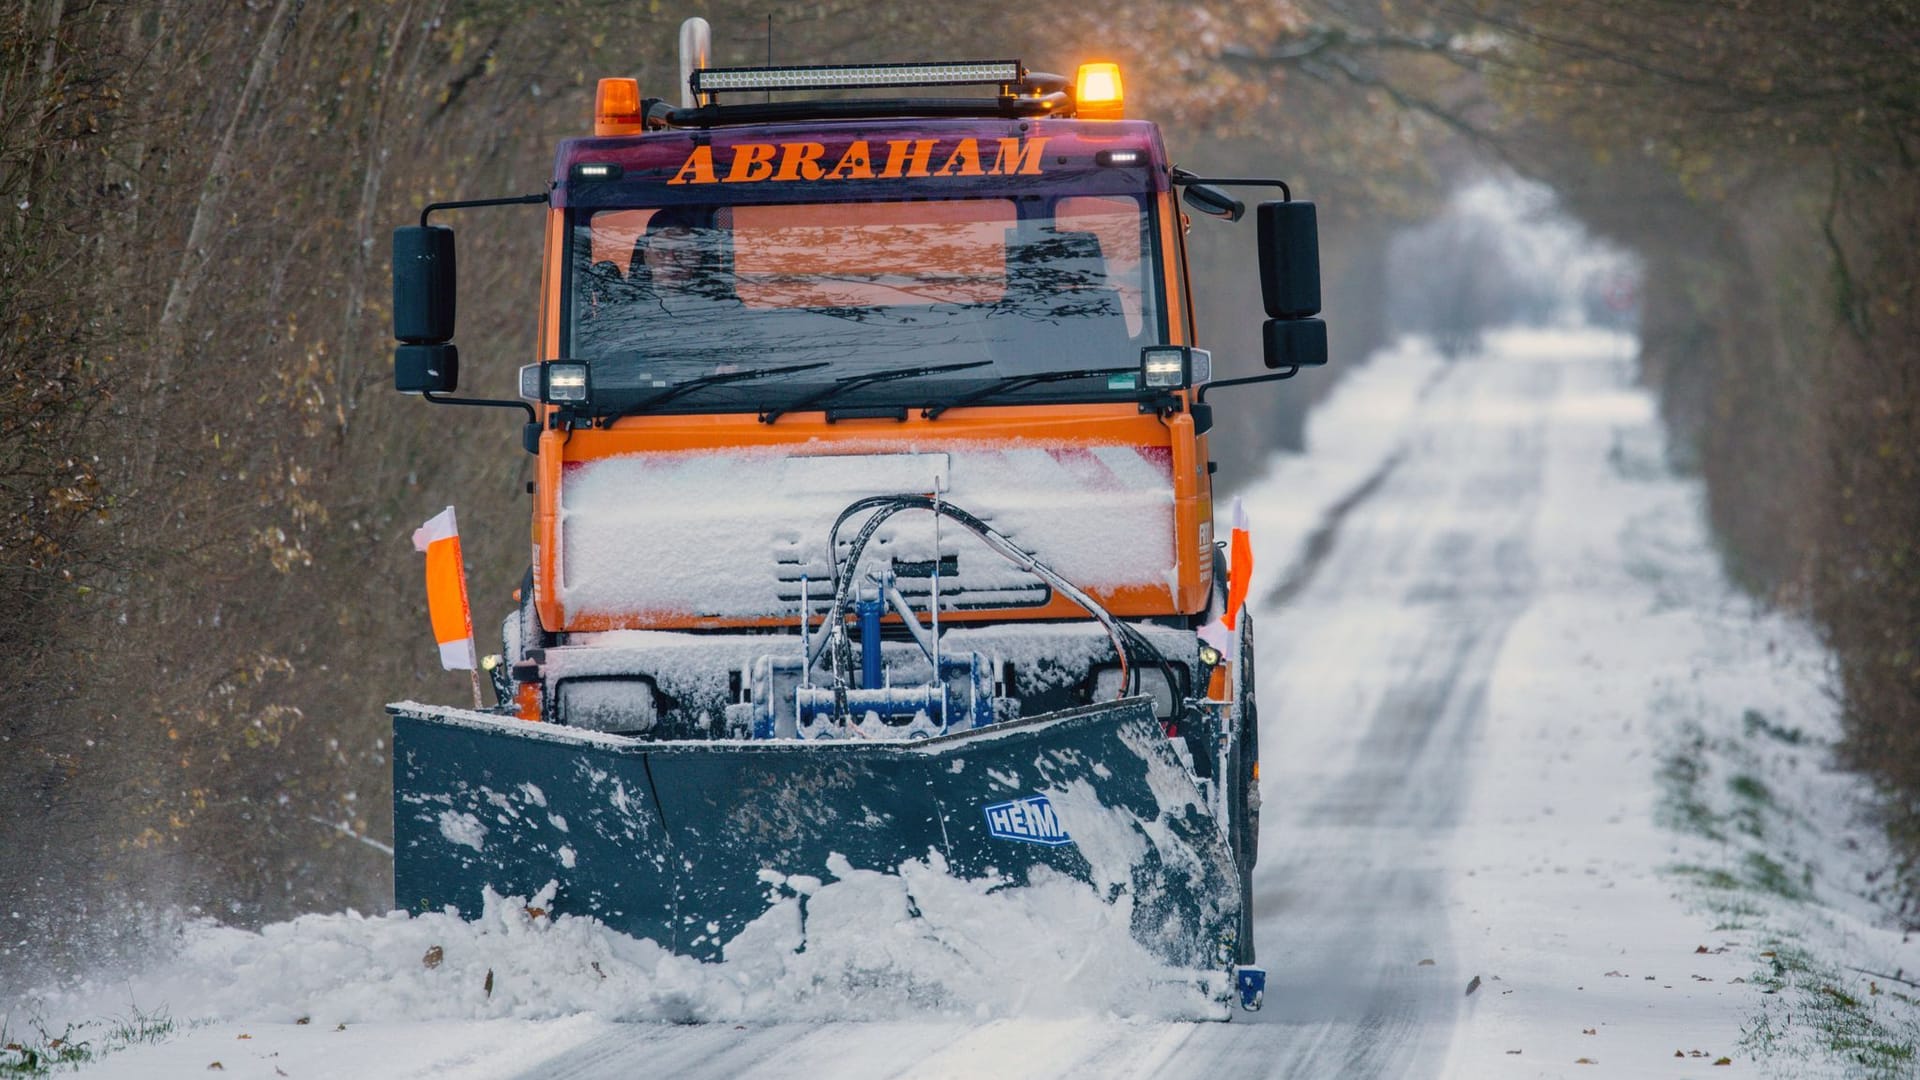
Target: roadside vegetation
x,y
29,1049
1781,881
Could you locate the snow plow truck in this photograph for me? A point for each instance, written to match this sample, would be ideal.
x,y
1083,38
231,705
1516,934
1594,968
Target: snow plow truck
x,y
872,512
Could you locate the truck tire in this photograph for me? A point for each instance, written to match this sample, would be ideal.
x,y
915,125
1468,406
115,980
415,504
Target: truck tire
x,y
532,634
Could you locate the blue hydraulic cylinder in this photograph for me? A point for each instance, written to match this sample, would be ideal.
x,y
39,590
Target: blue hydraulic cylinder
x,y
867,608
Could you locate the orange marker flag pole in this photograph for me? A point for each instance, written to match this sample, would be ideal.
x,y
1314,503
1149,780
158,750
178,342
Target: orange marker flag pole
x,y
1240,573
447,595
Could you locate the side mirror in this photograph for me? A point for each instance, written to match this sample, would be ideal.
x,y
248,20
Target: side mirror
x,y
423,283
423,309
1289,238
426,369
1213,202
1295,343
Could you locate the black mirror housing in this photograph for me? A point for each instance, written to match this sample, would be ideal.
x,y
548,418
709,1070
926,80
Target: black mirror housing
x,y
423,285
1292,343
1213,202
1289,238
426,369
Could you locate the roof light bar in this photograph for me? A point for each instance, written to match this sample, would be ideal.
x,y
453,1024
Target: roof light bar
x,y
858,76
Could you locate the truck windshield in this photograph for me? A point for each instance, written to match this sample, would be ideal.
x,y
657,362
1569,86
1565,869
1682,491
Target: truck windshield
x,y
1016,286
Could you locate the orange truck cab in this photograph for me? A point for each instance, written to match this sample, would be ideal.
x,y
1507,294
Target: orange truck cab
x,y
755,315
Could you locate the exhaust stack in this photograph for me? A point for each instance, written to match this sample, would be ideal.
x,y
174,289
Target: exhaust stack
x,y
696,47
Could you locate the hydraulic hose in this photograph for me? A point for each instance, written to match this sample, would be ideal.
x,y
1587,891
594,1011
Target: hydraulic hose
x,y
1127,641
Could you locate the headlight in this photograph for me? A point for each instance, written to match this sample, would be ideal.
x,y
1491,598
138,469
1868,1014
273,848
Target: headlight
x,y
1163,368
563,383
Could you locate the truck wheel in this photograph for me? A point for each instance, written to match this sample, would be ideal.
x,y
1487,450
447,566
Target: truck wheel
x,y
532,634
525,635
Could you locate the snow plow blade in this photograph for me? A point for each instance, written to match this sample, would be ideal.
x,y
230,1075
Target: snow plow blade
x,y
668,840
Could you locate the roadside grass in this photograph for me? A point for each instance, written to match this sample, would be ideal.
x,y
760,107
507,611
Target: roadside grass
x,y
1812,1015
1803,992
36,1051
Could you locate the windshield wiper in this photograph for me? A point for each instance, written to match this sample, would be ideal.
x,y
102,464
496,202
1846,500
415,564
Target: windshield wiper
x,y
855,382
715,379
1015,382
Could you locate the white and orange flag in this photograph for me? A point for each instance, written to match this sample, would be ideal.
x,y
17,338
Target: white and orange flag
x,y
447,590
1223,632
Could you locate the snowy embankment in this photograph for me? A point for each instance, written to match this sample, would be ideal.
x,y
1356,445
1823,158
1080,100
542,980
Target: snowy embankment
x,y
1629,857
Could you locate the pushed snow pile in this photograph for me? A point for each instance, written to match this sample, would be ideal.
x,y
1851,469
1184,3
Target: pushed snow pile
x,y
864,946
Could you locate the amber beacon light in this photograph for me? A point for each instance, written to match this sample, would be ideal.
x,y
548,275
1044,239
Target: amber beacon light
x,y
1096,91
616,107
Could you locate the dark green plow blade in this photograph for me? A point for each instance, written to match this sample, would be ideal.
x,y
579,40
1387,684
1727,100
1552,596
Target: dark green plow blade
x,y
667,840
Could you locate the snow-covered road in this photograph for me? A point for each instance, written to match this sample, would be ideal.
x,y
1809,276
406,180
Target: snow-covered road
x,y
1473,597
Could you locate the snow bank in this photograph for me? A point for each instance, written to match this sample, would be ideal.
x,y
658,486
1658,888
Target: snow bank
x,y
862,945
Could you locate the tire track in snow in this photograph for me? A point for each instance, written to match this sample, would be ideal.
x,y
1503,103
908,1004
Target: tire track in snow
x,y
1416,585
1321,540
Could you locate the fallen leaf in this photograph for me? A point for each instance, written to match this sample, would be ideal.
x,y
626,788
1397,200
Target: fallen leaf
x,y
435,954
1513,1051
1737,979
488,985
1589,1031
1701,978
536,913
1473,984
304,1020
1614,975
1769,953
1701,951
1679,1054
339,1027
1724,1061
1585,1061
1425,963
597,971
216,1067
278,1071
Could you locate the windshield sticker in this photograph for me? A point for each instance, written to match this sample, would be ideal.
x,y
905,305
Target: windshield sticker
x,y
751,163
1122,381
1030,819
